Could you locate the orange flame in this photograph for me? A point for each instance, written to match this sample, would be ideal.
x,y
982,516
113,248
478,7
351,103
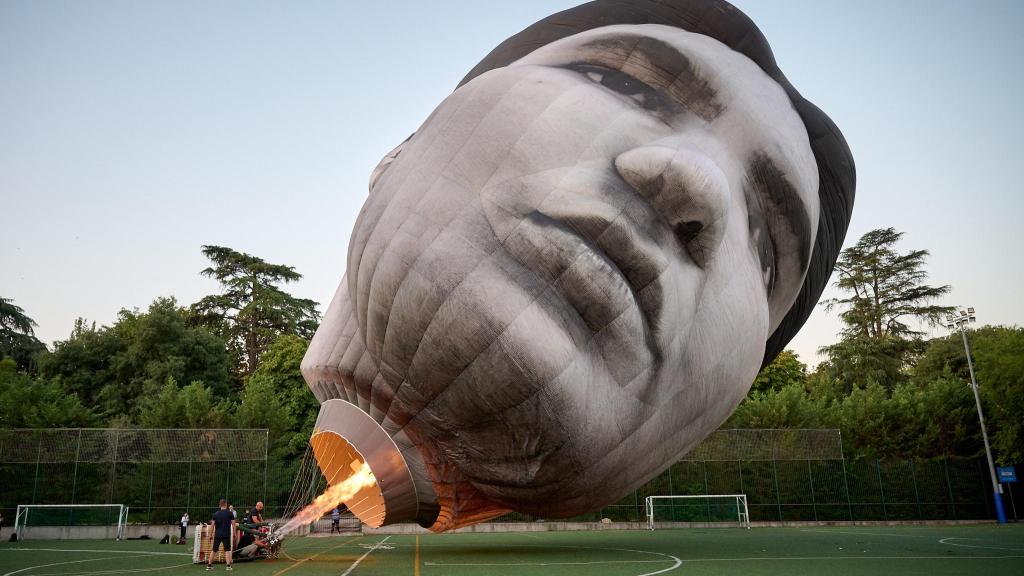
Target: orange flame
x,y
340,492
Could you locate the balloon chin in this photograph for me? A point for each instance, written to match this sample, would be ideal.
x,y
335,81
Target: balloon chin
x,y
367,470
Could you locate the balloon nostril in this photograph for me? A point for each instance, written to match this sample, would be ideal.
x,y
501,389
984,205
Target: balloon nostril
x,y
687,231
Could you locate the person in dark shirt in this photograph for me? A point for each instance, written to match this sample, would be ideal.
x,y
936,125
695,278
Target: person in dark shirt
x,y
224,527
257,513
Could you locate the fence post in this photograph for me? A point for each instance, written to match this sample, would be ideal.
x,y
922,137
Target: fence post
x,y
74,476
949,486
707,501
113,468
814,502
846,488
149,504
917,495
740,462
778,497
35,482
266,458
188,492
881,489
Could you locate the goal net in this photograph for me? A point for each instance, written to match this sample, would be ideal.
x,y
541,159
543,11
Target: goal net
x,y
707,508
105,520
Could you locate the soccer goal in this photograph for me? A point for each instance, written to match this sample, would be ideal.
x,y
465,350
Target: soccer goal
x,y
72,520
699,508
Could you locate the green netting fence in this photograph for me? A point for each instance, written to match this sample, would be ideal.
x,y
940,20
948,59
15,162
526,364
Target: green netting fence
x,y
801,475
787,475
159,474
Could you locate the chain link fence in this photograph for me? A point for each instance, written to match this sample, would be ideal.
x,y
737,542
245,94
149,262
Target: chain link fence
x,y
801,475
159,474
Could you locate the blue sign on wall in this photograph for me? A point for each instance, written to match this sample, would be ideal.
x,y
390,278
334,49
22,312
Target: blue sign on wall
x,y
1006,474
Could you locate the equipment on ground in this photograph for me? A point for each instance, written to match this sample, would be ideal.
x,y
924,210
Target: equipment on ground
x,y
266,547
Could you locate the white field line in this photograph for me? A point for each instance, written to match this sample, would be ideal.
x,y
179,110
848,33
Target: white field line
x,y
61,564
864,533
356,563
944,541
128,571
676,562
545,563
820,558
137,553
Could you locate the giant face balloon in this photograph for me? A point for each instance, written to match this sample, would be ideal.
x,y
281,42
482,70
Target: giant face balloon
x,y
572,272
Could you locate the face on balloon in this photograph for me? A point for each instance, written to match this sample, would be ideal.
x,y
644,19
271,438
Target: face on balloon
x,y
567,276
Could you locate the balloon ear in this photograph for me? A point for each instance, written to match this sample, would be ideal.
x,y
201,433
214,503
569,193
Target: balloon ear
x,y
386,161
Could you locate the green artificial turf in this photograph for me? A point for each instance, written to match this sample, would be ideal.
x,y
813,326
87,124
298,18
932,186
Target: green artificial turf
x,y
848,551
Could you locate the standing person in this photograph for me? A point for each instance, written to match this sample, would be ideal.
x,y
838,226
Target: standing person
x,y
233,513
257,514
184,524
335,520
224,526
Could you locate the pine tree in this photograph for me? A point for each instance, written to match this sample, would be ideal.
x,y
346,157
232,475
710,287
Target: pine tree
x,y
252,311
884,290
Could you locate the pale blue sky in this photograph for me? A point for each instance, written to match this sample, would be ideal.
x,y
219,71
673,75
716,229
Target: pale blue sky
x,y
133,132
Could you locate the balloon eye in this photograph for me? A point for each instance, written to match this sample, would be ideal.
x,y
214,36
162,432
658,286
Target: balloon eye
x,y
762,242
621,83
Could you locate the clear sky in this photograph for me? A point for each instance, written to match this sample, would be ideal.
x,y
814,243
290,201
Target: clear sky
x,y
133,132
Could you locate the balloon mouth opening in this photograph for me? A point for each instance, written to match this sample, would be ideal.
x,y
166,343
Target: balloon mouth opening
x,y
364,468
348,474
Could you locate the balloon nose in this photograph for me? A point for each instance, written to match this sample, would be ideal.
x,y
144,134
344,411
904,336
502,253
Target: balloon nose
x,y
687,190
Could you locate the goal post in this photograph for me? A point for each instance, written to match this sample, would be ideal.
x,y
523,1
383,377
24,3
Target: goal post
x,y
703,507
28,516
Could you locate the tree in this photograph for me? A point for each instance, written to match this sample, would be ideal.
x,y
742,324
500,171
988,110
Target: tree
x,y
999,367
276,397
252,311
116,368
193,406
785,370
884,290
787,407
17,335
29,402
280,369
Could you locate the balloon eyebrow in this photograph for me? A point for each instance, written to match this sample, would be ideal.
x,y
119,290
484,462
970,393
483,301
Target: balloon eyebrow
x,y
661,66
784,206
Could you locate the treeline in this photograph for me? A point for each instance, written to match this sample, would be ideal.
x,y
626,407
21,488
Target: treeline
x,y
928,413
890,391
232,360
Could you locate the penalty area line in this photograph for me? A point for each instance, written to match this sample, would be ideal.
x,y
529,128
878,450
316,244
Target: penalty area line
x,y
944,541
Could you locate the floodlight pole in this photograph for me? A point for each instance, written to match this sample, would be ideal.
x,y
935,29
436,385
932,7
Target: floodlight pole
x,y
959,320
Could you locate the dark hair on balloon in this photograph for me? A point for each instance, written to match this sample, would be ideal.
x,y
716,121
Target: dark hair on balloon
x,y
727,24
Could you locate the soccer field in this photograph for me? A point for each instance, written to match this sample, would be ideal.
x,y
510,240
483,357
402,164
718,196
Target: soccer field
x,y
875,551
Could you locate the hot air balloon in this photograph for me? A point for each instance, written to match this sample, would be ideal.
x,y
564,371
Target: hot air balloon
x,y
571,273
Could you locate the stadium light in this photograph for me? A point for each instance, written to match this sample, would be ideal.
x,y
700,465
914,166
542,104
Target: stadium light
x,y
958,321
